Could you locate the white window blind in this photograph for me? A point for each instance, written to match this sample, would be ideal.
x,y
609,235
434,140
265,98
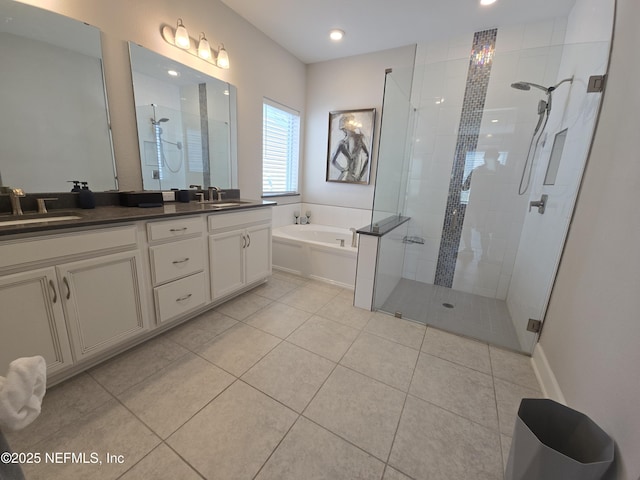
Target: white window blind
x,y
280,149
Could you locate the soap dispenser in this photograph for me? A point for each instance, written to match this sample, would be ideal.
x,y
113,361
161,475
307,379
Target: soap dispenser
x,y
86,198
76,185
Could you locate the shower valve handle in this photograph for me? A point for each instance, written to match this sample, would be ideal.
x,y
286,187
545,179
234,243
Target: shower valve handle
x,y
541,204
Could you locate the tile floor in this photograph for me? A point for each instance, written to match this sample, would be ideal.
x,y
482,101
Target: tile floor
x,y
288,381
485,319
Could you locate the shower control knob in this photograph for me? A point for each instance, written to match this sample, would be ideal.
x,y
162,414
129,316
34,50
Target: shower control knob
x,y
541,204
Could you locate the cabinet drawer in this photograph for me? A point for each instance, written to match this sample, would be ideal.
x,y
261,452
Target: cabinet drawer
x,y
177,298
174,228
27,251
226,220
176,259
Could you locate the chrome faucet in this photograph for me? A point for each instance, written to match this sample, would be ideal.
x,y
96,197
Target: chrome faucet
x,y
14,197
218,191
354,237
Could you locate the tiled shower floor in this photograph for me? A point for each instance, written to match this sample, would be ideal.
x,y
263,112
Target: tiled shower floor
x,y
482,318
288,381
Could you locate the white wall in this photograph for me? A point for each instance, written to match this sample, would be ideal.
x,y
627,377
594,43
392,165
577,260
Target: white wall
x,y
259,68
591,336
344,84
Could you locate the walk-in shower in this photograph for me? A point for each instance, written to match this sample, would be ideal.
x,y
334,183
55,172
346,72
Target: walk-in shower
x,y
472,258
544,109
161,156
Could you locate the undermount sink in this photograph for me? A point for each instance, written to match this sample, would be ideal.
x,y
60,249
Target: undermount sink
x,y
226,204
26,221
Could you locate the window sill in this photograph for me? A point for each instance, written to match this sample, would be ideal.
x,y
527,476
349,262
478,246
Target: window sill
x,y
284,194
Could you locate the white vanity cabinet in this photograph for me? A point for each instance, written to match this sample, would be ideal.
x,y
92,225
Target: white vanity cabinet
x,y
81,295
32,319
177,258
239,250
78,292
102,298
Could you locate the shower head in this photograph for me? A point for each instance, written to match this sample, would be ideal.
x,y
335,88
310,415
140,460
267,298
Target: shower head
x,y
526,86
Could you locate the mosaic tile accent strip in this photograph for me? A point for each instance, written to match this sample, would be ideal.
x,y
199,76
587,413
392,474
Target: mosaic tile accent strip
x,y
204,127
475,94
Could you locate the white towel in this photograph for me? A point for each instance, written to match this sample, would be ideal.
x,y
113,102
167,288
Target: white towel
x,y
21,392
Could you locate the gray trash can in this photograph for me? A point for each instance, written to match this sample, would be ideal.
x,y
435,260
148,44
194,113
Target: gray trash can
x,y
554,442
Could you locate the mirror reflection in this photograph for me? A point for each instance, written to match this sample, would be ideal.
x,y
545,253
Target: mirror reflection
x,y
186,124
54,125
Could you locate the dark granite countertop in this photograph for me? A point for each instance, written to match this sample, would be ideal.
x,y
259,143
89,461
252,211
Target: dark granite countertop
x,y
384,226
104,215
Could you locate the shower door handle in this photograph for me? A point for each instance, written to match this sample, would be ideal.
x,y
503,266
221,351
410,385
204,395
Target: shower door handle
x,y
541,204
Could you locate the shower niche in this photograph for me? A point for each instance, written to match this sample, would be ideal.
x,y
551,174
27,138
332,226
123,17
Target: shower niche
x,y
186,124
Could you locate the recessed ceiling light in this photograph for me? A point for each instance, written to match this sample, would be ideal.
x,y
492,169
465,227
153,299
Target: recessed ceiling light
x,y
494,121
487,2
336,35
173,73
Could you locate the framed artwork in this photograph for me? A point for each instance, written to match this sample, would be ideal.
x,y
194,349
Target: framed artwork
x,y
350,143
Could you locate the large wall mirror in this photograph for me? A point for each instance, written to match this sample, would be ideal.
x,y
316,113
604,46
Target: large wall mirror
x,y
54,125
186,124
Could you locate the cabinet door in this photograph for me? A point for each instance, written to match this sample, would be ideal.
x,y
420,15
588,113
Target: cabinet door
x,y
32,320
227,262
258,253
103,301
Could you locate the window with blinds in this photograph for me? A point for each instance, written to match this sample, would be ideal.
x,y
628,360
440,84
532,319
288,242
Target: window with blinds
x,y
280,149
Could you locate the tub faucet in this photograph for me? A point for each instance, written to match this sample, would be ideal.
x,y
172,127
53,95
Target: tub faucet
x,y
354,237
14,197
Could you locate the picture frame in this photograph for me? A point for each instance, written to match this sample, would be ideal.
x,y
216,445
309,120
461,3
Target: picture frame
x,y
350,145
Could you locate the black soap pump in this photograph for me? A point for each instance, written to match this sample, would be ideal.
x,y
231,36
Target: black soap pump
x,y
86,198
76,185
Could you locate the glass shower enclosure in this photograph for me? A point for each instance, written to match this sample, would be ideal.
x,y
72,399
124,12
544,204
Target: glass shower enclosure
x,y
457,149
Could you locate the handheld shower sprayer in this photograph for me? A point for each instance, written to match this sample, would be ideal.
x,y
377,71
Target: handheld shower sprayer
x,y
544,109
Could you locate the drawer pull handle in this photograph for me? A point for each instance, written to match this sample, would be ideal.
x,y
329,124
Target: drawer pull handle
x,y
53,289
182,299
66,284
175,262
244,241
249,237
179,229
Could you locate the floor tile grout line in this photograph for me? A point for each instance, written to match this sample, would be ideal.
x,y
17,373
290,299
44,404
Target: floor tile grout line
x,y
495,393
406,396
184,460
278,445
456,364
350,442
106,362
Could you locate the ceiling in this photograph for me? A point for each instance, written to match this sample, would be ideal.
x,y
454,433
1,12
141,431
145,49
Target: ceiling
x,y
302,26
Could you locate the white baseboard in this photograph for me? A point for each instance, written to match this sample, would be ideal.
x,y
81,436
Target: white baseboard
x,y
544,374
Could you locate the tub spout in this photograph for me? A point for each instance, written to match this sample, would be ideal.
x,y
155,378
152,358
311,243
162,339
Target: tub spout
x,y
354,237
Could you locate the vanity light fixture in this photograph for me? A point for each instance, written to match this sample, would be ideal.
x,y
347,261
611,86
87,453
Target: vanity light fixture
x,y
182,39
179,37
223,57
204,50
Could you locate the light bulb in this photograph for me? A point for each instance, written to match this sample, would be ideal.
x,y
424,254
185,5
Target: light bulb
x,y
336,35
182,36
223,58
204,51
